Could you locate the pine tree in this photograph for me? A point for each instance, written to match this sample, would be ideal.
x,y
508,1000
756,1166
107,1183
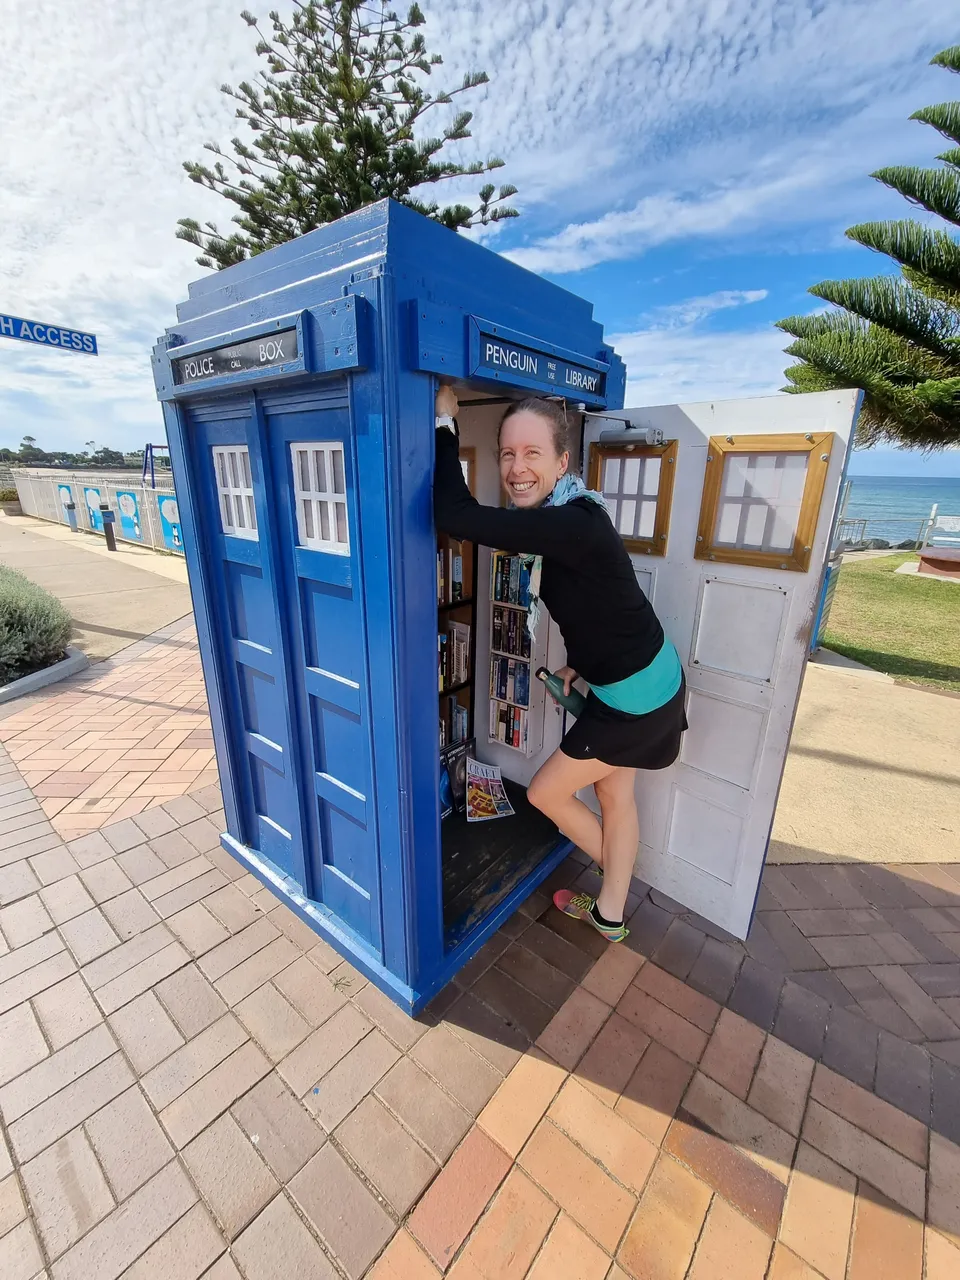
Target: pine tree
x,y
897,337
333,120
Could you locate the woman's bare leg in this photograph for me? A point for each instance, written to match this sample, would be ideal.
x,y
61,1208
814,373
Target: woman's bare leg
x,y
621,837
553,791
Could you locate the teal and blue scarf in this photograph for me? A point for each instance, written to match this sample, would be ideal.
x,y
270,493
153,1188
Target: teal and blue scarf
x,y
567,489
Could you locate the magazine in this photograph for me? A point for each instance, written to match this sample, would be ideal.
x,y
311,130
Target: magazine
x,y
453,761
486,796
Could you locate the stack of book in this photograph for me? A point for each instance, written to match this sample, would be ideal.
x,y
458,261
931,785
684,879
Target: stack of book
x,y
453,655
510,656
454,721
510,578
450,573
509,632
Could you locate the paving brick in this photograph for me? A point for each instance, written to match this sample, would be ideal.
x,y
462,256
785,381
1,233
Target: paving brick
x,y
588,1194
297,930
231,1177
310,992
887,1014
154,822
323,1049
616,1145
118,992
456,1199
67,1191
756,994
277,1246
570,1254
197,929
787,1266
66,1011
190,1063
556,951
741,1125
126,956
739,1179
193,1110
55,1072
469,1078
915,1002
802,1019
535,975
129,1142
609,978
32,981
679,948
272,1020
945,1117
129,914
21,1043
140,864
903,1076
663,1025
491,1035
863,1155
257,969
129,1230
730,1248
898,949
66,899
20,1257
677,996
403,1030
186,895
185,1251
54,863
510,1234
403,1259
887,1244
342,1211
191,1000
798,952
386,1154
850,1047
24,921
653,1094
732,1054
781,1085
203,834
183,809
606,1067
942,1259
59,1114
145,1031
238,948
519,1007
26,957
336,1094
943,1206
105,881
662,1237
123,835
715,972
17,881
871,1114
522,1099
89,936
818,1215
233,909
282,1131
12,1208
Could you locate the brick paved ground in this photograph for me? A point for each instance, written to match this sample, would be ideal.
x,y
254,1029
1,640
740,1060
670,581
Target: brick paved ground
x,y
192,1084
122,737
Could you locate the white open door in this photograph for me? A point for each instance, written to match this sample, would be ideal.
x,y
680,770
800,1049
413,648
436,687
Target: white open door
x,y
727,517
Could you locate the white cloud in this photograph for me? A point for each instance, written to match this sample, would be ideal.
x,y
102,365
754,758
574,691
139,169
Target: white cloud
x,y
689,311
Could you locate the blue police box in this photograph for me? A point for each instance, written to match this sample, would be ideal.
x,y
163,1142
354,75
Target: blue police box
x,y
298,394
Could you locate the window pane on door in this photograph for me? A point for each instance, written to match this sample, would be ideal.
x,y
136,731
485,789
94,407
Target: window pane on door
x,y
238,516
319,471
760,499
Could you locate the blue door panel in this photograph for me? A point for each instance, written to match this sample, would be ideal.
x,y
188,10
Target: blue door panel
x,y
246,622
328,676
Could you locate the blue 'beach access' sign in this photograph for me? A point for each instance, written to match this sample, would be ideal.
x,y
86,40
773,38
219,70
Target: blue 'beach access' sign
x,y
47,335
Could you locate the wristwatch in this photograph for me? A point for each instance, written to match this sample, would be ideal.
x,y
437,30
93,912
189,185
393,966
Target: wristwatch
x,y
444,420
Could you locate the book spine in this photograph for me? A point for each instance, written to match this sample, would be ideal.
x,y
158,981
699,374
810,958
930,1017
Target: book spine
x,y
514,579
456,574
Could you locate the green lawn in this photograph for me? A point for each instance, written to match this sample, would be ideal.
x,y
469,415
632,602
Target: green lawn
x,y
896,623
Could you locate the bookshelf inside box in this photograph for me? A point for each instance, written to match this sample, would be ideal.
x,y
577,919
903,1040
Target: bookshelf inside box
x,y
456,636
511,659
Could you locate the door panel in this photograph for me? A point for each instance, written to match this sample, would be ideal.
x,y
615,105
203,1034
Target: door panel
x,y
741,628
329,676
245,615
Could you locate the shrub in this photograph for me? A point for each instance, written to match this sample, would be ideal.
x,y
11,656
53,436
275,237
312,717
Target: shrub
x,y
34,627
9,495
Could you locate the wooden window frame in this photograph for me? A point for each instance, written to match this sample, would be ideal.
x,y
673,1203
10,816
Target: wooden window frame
x,y
667,453
321,502
817,446
235,496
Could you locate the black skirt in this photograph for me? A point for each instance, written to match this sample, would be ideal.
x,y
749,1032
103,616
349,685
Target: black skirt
x,y
650,741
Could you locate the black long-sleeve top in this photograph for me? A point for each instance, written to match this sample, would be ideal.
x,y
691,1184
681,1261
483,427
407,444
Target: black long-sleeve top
x,y
587,580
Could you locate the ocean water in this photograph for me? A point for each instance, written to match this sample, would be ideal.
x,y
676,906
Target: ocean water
x,y
895,506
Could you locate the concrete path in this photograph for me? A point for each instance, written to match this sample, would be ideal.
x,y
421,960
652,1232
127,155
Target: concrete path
x,y
873,773
114,598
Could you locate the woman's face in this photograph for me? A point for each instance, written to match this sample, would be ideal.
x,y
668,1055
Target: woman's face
x,y
529,463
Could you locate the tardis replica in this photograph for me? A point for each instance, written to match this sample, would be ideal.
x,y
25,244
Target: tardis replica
x,y
353,660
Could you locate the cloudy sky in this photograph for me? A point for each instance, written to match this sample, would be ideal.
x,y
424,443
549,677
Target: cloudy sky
x,y
689,166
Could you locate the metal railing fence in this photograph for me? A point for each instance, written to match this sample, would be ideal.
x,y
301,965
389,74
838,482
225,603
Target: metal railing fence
x,y
146,517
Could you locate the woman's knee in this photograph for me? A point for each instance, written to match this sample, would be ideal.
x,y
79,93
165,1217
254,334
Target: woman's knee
x,y
616,790
541,794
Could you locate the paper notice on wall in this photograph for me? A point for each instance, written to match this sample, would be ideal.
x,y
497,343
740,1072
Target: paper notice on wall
x,y
486,797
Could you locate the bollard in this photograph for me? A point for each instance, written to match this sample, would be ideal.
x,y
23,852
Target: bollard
x,y
71,510
109,518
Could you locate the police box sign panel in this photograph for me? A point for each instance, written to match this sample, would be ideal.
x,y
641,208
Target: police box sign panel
x,y
506,358
267,352
47,335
